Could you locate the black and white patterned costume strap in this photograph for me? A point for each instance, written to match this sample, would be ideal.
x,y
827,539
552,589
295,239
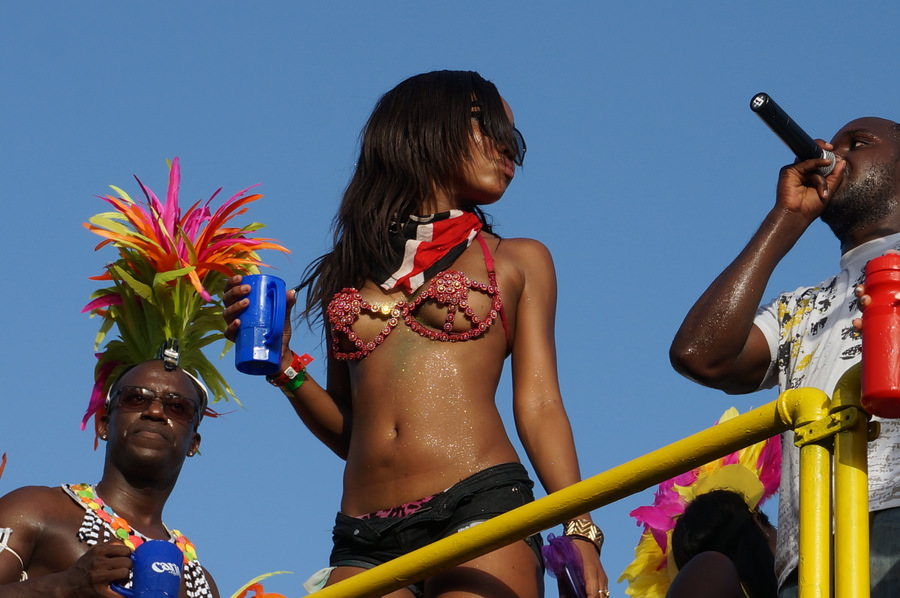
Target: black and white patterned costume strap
x,y
94,530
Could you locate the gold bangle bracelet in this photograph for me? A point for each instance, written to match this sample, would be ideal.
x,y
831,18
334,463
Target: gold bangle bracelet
x,y
586,529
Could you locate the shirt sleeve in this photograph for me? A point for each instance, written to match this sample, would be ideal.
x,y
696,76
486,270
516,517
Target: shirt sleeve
x,y
768,323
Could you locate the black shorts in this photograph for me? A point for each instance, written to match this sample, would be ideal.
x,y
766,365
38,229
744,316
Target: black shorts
x,y
370,542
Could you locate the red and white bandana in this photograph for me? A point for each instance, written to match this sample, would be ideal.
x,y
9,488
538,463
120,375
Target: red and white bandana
x,y
426,245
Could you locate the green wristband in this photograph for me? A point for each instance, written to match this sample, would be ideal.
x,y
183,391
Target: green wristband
x,y
291,385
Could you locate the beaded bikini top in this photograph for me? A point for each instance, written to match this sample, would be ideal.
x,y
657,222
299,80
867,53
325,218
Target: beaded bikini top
x,y
100,519
449,288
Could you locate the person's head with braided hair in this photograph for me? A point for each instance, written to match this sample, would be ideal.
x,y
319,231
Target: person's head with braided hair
x,y
723,548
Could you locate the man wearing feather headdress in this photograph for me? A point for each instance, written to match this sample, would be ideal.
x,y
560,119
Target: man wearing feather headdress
x,y
75,540
147,401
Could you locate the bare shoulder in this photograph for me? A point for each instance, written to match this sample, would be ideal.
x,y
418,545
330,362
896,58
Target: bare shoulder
x,y
526,276
44,522
29,498
32,505
521,247
525,256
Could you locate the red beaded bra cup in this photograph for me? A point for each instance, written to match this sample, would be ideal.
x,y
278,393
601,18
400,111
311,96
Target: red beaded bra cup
x,y
449,288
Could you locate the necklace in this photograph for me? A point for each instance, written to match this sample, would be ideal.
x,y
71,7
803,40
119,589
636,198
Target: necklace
x,y
120,528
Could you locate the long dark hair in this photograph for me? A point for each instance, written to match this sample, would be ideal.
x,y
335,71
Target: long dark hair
x,y
415,142
721,521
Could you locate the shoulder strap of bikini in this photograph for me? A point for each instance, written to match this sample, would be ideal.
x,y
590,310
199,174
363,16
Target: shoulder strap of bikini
x,y
489,264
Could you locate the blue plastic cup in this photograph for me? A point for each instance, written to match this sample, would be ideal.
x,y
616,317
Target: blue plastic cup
x,y
156,572
258,342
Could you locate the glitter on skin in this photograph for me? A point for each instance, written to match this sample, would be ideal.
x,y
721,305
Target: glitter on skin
x,y
427,426
439,396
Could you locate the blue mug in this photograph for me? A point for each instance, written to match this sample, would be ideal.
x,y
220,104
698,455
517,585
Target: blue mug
x,y
156,572
258,341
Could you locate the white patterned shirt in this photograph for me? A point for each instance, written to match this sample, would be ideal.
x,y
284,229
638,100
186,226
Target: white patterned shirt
x,y
813,342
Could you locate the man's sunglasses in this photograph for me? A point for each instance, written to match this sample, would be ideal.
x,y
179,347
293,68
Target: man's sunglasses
x,y
138,398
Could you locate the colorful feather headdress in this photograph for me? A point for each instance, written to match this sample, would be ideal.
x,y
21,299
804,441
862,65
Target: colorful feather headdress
x,y
167,281
754,472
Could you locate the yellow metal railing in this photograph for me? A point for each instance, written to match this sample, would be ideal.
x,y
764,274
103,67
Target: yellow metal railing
x,y
851,500
821,426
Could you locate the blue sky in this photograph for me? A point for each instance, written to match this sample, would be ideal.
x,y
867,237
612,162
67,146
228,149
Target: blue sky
x,y
646,173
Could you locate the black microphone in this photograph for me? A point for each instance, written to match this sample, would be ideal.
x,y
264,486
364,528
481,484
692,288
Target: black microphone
x,y
790,132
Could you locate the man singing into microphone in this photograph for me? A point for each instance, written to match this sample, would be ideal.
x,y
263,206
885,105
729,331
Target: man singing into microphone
x,y
806,338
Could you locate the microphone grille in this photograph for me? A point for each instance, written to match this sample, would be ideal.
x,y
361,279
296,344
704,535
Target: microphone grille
x,y
758,101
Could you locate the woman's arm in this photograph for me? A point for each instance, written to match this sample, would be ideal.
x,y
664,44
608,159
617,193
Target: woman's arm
x,y
325,412
325,416
541,420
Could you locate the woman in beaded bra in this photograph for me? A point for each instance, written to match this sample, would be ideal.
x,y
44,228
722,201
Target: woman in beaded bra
x,y
421,305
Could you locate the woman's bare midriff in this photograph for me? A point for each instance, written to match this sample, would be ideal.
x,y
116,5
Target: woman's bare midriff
x,y
424,418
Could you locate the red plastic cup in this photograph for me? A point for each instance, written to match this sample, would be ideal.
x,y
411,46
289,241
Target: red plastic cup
x,y
881,338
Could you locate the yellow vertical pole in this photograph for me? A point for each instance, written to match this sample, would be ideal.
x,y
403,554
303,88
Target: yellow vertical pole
x,y
815,499
851,496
